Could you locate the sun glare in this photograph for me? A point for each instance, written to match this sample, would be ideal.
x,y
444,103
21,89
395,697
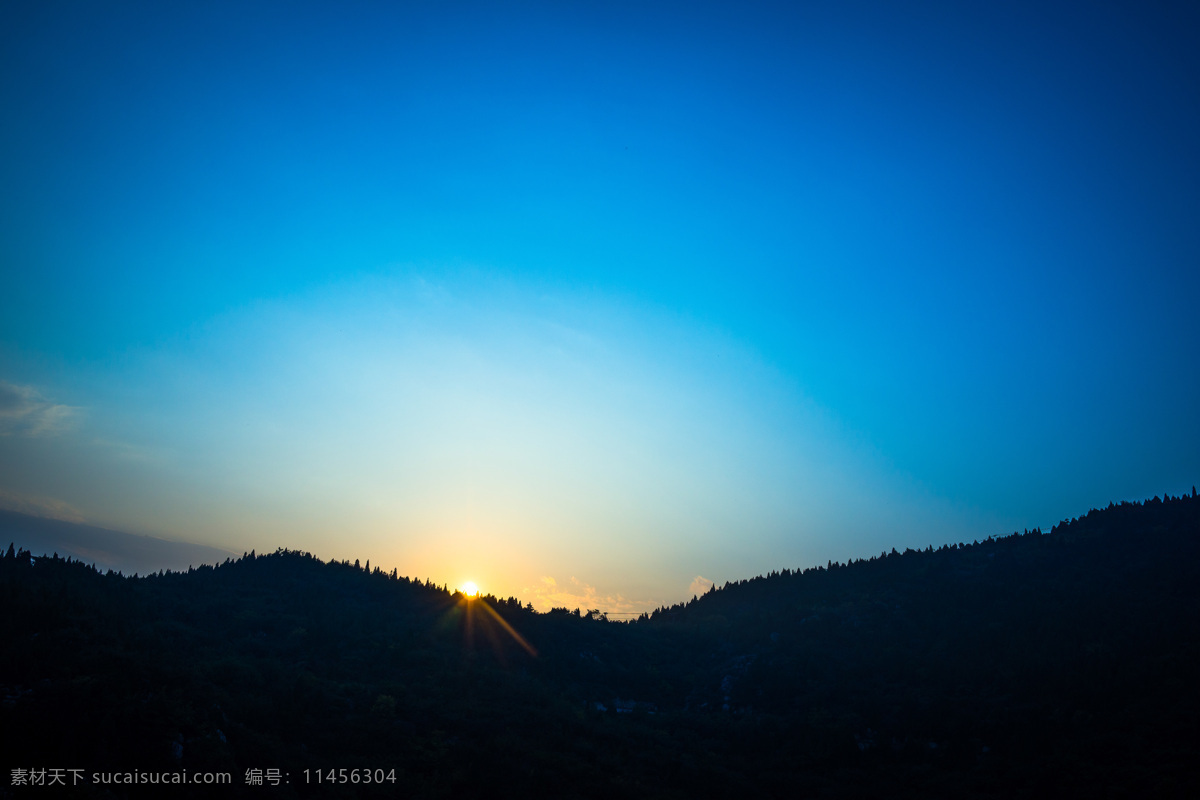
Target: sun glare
x,y
469,589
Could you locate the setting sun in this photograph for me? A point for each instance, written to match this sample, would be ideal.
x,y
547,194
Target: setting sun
x,y
469,589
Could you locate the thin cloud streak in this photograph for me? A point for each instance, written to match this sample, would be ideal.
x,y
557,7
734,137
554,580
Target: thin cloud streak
x,y
25,412
39,506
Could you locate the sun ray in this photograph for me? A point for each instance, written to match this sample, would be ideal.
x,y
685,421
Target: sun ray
x,y
508,628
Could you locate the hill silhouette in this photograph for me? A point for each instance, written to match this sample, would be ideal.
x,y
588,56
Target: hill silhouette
x,y
1039,663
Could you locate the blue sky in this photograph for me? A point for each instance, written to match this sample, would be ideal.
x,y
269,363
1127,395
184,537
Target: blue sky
x,y
624,293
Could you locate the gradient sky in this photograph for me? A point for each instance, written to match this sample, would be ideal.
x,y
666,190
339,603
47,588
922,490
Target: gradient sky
x,y
588,302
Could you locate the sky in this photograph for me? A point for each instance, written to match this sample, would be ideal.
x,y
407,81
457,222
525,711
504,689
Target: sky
x,y
595,304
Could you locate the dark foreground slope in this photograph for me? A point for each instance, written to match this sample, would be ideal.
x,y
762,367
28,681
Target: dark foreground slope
x,y
1057,664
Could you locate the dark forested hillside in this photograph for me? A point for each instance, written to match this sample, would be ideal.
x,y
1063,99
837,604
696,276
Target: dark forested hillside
x,y
1059,663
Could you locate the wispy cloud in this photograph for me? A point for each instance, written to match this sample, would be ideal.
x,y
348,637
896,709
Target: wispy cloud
x,y
550,594
700,585
39,506
25,412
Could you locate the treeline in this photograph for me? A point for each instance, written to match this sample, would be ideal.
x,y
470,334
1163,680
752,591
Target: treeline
x,y
1167,510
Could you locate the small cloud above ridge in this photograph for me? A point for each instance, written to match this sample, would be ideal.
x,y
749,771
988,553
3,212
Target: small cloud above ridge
x,y
578,594
700,585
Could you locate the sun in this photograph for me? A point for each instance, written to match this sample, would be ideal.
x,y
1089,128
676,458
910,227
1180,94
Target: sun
x,y
469,589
